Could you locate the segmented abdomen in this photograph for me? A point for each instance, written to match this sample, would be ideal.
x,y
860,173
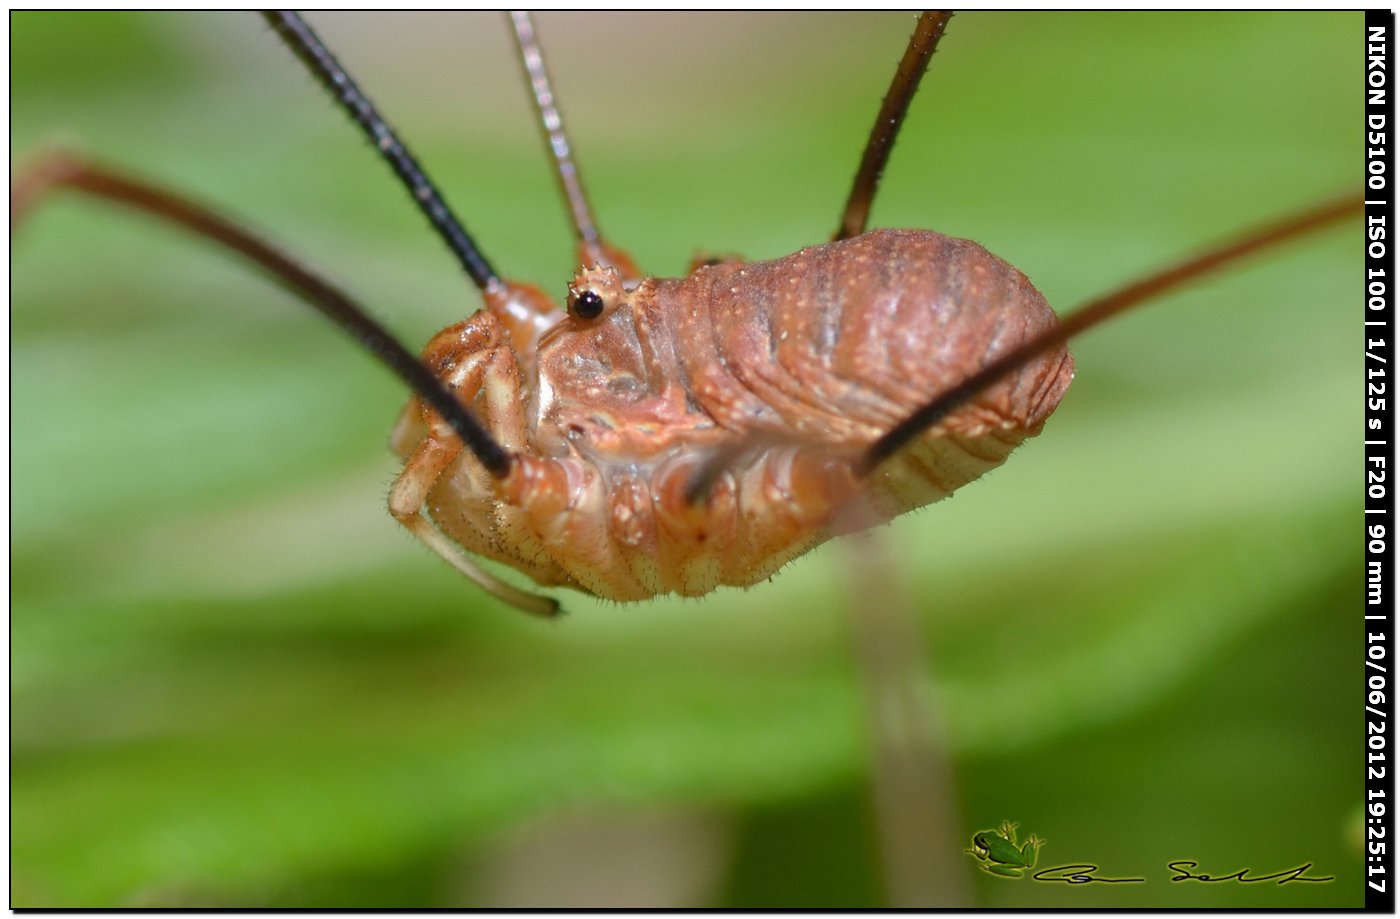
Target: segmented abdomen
x,y
779,374
842,341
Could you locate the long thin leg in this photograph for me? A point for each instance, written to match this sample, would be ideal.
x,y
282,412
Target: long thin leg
x,y
570,182
887,123
60,170
308,48
915,807
1097,311
592,249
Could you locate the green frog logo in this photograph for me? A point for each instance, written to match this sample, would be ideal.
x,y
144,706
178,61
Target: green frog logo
x,y
999,853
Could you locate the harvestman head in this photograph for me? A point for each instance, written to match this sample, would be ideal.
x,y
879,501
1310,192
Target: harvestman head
x,y
671,436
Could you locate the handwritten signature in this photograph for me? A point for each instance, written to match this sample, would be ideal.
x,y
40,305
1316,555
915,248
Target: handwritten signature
x,y
1183,871
1242,876
1080,874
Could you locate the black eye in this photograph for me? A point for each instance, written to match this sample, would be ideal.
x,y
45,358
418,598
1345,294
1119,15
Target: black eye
x,y
588,305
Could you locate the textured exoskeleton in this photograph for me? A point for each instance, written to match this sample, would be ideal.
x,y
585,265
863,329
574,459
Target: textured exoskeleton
x,y
771,377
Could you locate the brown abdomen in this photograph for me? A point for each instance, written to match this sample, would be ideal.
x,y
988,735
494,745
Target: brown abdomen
x,y
837,343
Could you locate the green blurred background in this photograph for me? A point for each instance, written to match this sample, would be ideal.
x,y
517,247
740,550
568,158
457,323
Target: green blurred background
x,y
236,682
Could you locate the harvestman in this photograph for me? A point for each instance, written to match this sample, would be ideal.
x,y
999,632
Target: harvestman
x,y
671,436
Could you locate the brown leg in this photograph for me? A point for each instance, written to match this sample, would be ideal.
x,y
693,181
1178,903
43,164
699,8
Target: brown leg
x,y
1318,217
887,122
58,170
592,249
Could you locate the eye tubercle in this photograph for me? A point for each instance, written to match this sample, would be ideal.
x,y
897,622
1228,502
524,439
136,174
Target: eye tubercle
x,y
594,292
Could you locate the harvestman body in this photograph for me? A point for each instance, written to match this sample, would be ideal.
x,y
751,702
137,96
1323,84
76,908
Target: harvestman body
x,y
675,435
